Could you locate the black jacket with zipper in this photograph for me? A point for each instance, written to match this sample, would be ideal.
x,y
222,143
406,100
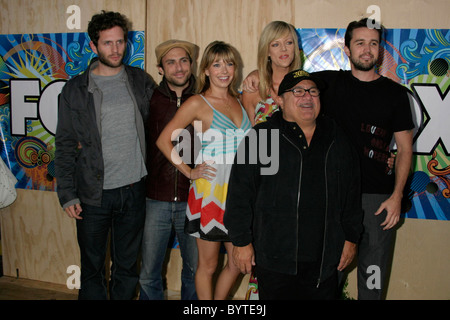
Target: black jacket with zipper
x,y
262,209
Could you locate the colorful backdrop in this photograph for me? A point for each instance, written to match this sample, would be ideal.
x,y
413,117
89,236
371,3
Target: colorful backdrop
x,y
34,67
33,70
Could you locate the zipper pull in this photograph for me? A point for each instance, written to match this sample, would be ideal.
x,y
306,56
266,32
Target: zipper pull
x,y
178,102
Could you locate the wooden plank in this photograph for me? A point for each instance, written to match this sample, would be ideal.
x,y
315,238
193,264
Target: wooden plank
x,y
38,239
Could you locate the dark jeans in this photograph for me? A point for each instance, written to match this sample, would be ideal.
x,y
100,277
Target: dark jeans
x,y
278,286
122,214
374,250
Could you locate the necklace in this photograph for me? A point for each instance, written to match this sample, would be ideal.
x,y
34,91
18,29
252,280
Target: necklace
x,y
226,105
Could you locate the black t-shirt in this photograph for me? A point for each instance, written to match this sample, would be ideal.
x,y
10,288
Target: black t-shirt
x,y
370,113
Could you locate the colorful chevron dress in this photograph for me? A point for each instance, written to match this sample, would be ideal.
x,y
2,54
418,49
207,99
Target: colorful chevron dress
x,y
206,202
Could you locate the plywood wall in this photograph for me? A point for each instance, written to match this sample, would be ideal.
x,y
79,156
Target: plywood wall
x,y
39,241
240,22
41,16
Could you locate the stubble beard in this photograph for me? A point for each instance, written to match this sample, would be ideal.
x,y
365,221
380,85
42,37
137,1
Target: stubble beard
x,y
107,63
361,66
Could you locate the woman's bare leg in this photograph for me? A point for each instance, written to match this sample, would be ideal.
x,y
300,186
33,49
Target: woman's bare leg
x,y
228,276
208,256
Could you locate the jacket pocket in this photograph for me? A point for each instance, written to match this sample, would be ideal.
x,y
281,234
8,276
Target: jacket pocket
x,y
83,127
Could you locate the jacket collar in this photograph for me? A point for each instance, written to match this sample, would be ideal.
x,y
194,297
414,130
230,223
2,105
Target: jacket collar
x,y
86,76
165,90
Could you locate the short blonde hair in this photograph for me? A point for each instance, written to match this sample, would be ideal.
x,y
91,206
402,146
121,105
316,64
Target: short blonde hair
x,y
220,50
274,30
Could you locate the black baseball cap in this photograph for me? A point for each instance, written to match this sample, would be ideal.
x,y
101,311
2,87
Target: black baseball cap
x,y
294,77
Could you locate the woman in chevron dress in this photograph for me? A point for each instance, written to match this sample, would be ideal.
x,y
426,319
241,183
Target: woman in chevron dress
x,y
220,122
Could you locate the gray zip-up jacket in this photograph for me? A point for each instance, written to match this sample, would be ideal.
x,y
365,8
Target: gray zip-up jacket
x,y
78,155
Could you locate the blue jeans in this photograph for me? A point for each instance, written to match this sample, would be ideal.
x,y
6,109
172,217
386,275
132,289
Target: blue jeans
x,y
121,215
160,219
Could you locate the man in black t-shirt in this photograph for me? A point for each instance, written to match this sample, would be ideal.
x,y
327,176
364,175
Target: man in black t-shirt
x,y
372,109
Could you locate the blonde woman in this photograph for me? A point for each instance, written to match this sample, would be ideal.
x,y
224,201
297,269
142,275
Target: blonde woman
x,y
221,122
278,53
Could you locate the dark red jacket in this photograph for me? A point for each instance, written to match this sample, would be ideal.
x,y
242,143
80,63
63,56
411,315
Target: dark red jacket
x,y
164,181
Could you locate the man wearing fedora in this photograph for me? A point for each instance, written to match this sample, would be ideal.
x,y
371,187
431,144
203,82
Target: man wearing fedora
x,y
300,225
167,189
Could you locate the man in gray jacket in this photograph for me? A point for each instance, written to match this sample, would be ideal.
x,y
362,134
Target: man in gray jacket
x,y
100,159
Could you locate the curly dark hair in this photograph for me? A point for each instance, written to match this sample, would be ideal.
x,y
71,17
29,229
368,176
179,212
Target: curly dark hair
x,y
107,20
